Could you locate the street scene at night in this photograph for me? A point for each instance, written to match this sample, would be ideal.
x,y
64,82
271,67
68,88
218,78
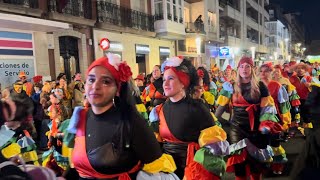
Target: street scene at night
x,y
159,90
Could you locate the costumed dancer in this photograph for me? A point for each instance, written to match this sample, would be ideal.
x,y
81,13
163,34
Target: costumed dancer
x,y
228,74
202,92
293,96
281,99
302,82
209,90
15,139
253,119
53,158
183,122
112,141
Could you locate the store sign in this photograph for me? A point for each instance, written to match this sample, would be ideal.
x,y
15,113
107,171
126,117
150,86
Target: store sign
x,y
224,52
142,49
115,46
104,44
10,69
164,51
192,49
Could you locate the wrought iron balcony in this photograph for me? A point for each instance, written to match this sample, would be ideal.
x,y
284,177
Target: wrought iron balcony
x,y
125,17
195,28
79,8
25,3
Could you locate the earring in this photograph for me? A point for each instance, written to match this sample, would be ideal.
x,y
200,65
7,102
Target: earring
x,y
114,104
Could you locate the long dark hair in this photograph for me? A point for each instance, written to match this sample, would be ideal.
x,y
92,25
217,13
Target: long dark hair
x,y
206,78
125,102
192,72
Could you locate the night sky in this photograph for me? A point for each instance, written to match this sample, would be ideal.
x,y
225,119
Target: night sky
x,y
310,15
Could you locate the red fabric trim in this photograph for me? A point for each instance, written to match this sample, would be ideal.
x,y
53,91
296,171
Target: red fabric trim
x,y
301,88
277,167
153,93
295,102
164,130
194,170
183,77
273,127
238,100
236,159
80,157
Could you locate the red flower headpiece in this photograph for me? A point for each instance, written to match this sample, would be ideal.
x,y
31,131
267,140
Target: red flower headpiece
x,y
120,71
173,63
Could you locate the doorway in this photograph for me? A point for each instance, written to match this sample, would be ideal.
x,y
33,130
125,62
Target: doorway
x,y
141,61
69,53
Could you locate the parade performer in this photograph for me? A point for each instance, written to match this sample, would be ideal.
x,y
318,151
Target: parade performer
x,y
228,74
183,122
302,82
293,96
253,119
111,139
53,158
206,89
281,99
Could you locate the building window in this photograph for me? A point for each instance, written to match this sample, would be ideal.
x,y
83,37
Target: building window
x,y
169,10
271,13
158,9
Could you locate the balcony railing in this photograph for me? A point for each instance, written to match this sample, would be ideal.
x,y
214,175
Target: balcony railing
x,y
24,3
125,17
79,8
195,28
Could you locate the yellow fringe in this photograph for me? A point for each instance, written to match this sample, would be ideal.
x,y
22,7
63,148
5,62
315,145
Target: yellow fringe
x,y
164,164
267,101
278,151
30,156
11,150
212,135
223,100
141,108
208,97
286,118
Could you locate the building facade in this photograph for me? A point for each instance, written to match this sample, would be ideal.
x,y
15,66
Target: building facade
x,y
298,41
243,28
192,25
45,37
130,27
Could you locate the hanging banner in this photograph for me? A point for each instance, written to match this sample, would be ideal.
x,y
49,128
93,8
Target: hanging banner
x,y
10,69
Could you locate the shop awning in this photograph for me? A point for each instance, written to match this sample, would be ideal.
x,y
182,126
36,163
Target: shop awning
x,y
31,24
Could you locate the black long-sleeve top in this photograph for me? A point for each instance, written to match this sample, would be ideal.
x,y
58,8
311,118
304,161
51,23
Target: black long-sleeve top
x,y
186,118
